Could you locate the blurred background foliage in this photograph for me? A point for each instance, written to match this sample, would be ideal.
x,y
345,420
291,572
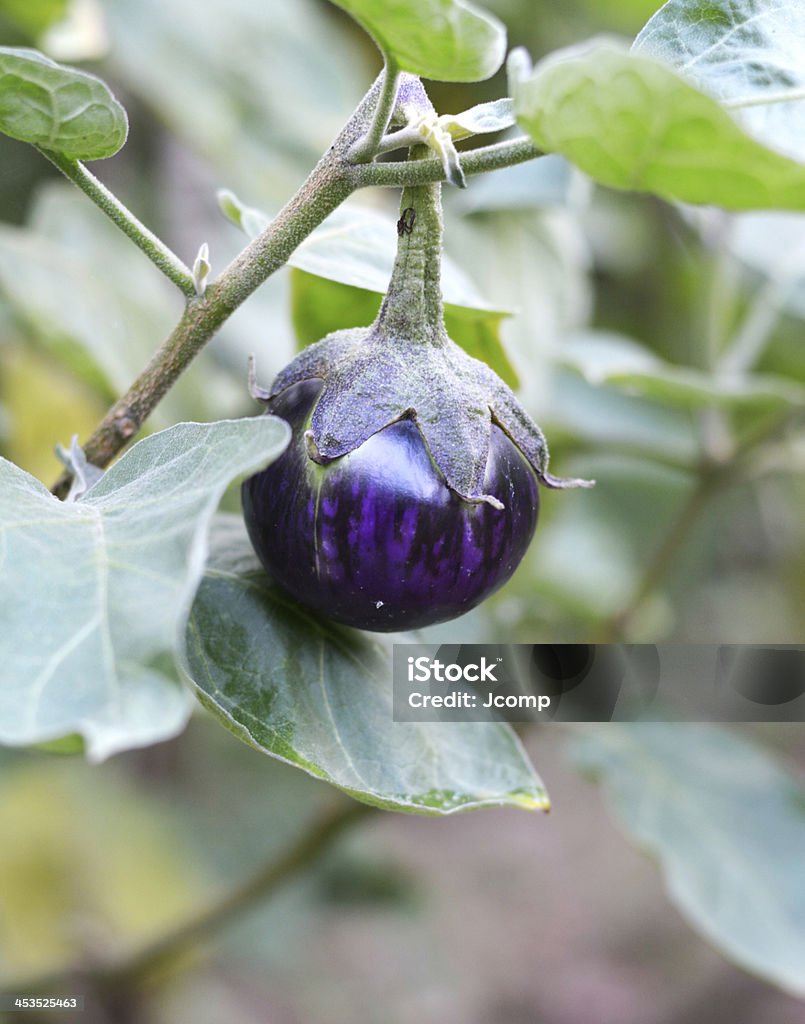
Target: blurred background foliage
x,y
624,308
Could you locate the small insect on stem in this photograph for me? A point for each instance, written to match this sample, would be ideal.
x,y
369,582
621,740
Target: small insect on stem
x,y
405,225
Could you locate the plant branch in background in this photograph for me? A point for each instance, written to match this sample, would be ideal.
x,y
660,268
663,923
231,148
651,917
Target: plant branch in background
x,y
710,480
617,628
158,956
248,894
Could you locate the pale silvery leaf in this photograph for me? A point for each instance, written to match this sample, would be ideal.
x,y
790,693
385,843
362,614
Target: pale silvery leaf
x,y
726,823
749,54
94,594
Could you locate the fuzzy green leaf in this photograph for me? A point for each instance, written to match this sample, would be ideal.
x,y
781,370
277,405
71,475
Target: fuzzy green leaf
x,y
445,40
749,54
94,594
58,108
319,697
634,123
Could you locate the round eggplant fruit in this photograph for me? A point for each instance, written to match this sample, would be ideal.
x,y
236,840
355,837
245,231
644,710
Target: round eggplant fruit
x,y
376,539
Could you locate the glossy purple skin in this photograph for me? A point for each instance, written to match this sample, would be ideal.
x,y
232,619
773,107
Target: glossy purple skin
x,y
375,539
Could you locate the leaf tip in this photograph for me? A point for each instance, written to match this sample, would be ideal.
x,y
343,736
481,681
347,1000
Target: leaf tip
x,y
534,800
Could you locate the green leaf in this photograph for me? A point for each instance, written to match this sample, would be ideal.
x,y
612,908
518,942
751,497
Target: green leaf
x,y
319,306
748,55
445,40
95,593
727,824
606,358
58,108
318,696
631,122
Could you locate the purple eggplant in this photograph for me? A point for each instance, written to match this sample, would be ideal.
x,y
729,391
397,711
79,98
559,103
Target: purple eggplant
x,y
375,538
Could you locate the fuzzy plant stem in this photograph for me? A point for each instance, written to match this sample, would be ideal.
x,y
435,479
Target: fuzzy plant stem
x,y
160,255
413,302
473,161
367,147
